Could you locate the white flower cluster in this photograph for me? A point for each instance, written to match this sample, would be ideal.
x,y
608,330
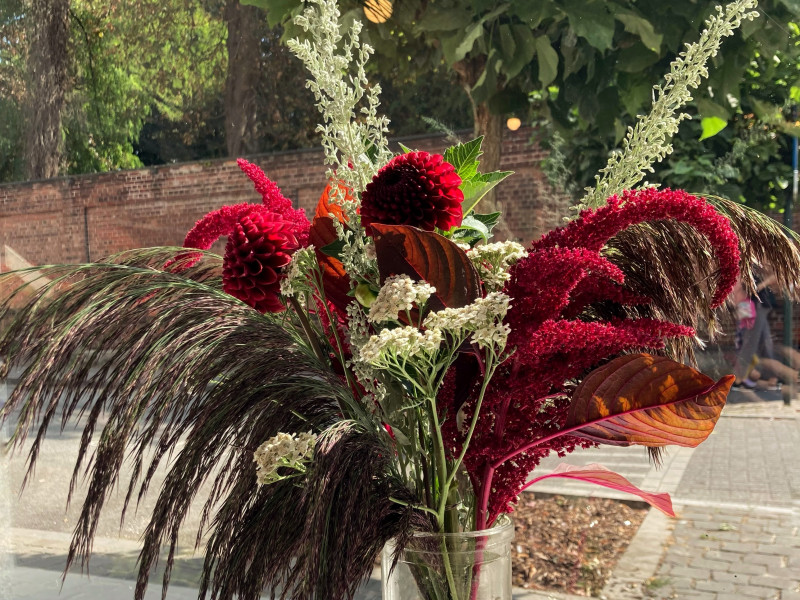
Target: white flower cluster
x,y
398,294
403,342
351,126
297,271
493,260
284,450
358,334
648,142
483,319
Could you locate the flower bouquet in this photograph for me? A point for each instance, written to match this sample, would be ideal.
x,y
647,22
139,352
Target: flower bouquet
x,y
383,375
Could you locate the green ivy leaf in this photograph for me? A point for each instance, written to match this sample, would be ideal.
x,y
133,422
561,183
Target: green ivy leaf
x,y
548,60
712,126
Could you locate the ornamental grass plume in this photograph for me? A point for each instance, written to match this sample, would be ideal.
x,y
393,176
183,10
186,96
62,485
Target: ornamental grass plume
x,y
417,372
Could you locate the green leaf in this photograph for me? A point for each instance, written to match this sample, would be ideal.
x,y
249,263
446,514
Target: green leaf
x,y
642,27
471,222
524,49
443,20
591,21
464,157
507,43
486,85
477,187
466,43
488,219
404,148
333,249
548,60
277,10
709,108
712,126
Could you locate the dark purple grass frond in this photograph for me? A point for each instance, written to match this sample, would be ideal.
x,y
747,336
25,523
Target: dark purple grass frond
x,y
145,358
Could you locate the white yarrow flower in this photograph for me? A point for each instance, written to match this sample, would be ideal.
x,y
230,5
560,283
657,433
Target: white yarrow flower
x,y
398,294
493,261
288,450
404,342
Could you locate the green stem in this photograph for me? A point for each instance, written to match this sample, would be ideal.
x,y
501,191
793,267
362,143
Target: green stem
x,y
414,506
307,328
490,366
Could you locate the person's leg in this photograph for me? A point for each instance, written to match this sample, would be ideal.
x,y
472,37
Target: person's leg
x,y
750,340
766,347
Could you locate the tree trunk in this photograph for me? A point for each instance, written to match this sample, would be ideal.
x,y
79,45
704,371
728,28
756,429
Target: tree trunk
x,y
48,62
490,126
244,60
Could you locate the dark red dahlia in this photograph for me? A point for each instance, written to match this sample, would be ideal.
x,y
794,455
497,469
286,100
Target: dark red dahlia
x,y
417,188
260,244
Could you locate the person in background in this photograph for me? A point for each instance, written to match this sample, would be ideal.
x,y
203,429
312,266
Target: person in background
x,y
754,328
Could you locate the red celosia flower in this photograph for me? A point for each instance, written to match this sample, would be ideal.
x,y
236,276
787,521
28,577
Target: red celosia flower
x,y
275,201
564,273
259,246
416,188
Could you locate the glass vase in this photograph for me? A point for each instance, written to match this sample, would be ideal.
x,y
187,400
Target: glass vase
x,y
472,565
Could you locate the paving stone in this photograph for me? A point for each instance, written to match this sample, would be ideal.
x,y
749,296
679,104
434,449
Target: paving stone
x,y
774,549
711,565
743,547
748,569
723,587
730,577
752,591
768,560
778,583
688,572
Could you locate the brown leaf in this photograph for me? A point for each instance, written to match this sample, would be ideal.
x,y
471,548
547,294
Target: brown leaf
x,y
647,400
428,256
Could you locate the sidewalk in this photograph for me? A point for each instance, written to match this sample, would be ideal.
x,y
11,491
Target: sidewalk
x,y
738,502
737,535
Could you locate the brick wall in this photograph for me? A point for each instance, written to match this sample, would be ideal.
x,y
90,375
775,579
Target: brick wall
x,y
85,217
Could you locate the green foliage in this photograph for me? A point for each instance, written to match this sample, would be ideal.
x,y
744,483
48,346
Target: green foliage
x,y
736,143
12,56
153,57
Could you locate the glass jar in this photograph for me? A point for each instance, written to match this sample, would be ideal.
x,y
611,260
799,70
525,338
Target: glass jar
x,y
474,565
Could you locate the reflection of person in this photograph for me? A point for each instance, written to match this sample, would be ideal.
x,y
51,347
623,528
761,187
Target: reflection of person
x,y
757,339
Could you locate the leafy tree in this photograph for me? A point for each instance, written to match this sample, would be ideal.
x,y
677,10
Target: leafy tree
x,y
585,66
736,144
12,89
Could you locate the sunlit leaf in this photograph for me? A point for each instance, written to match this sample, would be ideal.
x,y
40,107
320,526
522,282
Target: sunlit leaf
x,y
712,126
647,400
428,256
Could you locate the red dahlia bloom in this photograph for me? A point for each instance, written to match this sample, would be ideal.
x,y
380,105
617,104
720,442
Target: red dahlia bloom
x,y
417,188
260,244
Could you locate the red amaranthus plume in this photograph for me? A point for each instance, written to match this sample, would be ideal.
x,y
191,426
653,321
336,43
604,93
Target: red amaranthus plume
x,y
275,201
416,188
564,273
